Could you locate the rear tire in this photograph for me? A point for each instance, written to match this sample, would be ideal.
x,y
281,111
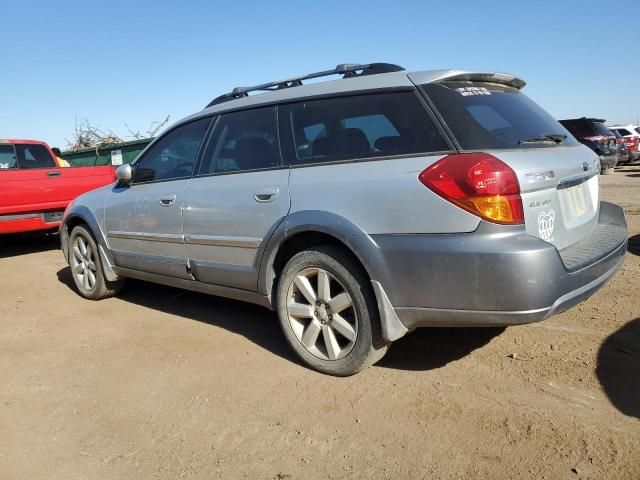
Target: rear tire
x,y
86,266
328,312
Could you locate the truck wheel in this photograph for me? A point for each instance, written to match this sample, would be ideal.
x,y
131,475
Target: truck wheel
x,y
86,267
328,311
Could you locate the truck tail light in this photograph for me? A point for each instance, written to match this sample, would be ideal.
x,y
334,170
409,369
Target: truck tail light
x,y
478,183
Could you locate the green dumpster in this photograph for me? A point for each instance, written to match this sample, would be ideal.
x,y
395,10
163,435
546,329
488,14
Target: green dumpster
x,y
116,154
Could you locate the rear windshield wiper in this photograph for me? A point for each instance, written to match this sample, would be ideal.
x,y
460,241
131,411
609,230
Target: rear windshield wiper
x,y
547,137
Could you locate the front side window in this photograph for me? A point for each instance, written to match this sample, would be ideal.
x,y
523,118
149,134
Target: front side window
x,y
363,126
491,116
242,141
7,157
174,155
34,156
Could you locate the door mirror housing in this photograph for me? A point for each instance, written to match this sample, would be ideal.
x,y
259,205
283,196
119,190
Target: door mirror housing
x,y
124,174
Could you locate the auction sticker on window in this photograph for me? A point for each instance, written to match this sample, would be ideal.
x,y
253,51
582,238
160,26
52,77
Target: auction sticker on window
x,y
116,157
471,91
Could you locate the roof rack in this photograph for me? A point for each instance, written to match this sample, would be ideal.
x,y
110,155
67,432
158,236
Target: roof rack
x,y
347,70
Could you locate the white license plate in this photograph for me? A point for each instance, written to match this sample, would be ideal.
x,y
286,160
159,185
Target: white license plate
x,y
577,200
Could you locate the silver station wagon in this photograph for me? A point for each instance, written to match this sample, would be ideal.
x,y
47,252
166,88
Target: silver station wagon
x,y
359,209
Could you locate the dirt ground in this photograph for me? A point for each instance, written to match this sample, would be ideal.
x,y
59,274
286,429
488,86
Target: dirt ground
x,y
162,383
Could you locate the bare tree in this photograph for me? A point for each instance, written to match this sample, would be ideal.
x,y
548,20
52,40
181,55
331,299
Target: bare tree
x,y
152,131
86,135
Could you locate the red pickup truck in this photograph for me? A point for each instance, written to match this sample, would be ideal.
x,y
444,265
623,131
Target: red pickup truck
x,y
35,189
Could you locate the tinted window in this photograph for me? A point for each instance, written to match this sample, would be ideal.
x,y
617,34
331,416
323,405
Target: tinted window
x,y
579,128
637,129
34,156
246,140
601,129
488,116
623,131
360,127
173,155
7,157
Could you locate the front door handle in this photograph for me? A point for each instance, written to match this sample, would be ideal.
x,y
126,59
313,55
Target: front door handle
x,y
266,195
54,173
168,200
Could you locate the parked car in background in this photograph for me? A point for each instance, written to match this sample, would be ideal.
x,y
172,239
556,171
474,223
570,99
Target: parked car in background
x,y
593,133
624,156
35,189
359,209
631,135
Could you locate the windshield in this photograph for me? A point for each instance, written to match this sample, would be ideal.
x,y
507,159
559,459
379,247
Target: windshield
x,y
491,116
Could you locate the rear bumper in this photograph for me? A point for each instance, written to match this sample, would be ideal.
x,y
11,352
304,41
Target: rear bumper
x,y
28,222
496,275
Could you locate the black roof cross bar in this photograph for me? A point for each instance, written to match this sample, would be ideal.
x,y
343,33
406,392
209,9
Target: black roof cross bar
x,y
347,70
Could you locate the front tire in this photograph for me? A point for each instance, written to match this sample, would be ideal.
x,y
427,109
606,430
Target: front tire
x,y
86,266
328,311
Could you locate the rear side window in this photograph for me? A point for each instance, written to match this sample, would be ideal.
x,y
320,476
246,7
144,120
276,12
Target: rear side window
x,y
623,131
491,116
174,155
34,156
363,126
243,141
7,157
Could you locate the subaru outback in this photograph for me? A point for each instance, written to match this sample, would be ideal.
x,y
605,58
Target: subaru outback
x,y
359,209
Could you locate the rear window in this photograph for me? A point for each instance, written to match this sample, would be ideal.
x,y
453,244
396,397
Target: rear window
x,y
363,126
637,129
491,116
602,129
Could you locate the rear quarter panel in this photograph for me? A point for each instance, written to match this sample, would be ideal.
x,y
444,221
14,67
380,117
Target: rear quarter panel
x,y
379,196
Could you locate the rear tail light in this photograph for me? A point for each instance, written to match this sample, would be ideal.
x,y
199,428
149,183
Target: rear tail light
x,y
618,141
478,183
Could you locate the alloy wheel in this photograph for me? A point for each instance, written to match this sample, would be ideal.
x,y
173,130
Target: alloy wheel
x,y
321,314
83,263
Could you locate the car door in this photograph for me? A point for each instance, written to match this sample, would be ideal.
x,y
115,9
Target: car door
x,y
238,197
143,220
30,178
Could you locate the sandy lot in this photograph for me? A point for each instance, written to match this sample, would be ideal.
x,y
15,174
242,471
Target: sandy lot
x,y
162,383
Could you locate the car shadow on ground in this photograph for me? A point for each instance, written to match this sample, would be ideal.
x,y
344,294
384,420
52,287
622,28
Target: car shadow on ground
x,y
633,246
423,349
15,244
253,322
431,348
633,175
618,368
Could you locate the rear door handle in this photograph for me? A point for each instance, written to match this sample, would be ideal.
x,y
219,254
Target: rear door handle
x,y
168,200
266,195
54,173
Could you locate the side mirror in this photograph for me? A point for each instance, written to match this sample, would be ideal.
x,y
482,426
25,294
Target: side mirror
x,y
124,174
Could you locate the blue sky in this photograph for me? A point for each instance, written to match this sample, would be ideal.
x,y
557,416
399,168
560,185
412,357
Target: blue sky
x,y
120,62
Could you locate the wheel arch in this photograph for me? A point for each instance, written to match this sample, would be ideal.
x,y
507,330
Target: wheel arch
x,y
81,215
304,229
307,228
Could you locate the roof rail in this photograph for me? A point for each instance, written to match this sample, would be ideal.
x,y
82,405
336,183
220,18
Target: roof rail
x,y
347,70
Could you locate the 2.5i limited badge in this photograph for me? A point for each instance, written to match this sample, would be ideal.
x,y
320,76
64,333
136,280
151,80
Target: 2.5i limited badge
x,y
546,224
